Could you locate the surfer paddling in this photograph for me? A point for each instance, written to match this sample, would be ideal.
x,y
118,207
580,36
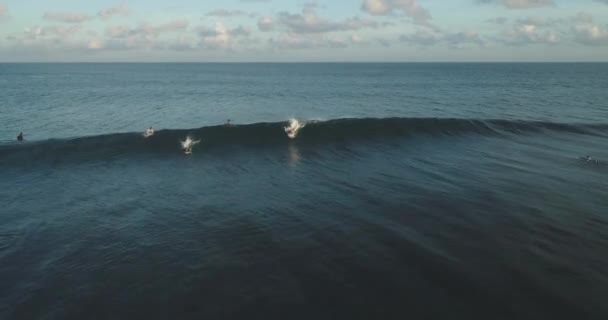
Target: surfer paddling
x,y
588,159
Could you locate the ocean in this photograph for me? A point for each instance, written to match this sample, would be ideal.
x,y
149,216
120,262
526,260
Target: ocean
x,y
414,191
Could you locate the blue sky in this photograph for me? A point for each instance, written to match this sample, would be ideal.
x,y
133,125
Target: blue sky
x,y
323,30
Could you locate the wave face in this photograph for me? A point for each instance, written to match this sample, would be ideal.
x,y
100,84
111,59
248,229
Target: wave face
x,y
316,132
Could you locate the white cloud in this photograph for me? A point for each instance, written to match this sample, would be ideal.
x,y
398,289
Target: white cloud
x,y
587,32
580,28
530,31
147,30
182,43
144,36
498,20
113,11
67,17
120,31
421,37
430,38
521,4
592,34
409,8
50,32
355,38
458,39
309,22
265,24
95,44
228,13
59,38
3,11
305,41
582,17
220,37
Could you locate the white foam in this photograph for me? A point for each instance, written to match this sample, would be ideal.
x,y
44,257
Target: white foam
x,y
148,133
188,143
294,127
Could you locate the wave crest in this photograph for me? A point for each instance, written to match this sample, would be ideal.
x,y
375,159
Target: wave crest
x,y
163,141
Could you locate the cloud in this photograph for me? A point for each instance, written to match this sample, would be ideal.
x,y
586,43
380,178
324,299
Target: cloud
x,y
520,4
409,8
146,30
430,38
587,32
305,41
3,11
580,28
182,44
113,11
461,38
95,44
591,34
602,1
530,31
310,22
60,38
422,38
498,20
310,6
240,31
39,32
228,13
67,17
265,24
220,37
120,31
149,37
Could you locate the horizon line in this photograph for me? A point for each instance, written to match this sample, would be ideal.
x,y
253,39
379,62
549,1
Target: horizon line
x,y
289,62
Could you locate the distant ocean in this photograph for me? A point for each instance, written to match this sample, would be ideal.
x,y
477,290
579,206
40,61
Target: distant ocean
x,y
414,191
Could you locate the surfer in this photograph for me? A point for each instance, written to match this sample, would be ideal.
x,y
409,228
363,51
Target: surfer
x,y
293,128
149,132
20,136
188,144
588,159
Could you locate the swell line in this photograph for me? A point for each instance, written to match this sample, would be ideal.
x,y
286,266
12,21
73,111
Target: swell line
x,y
315,132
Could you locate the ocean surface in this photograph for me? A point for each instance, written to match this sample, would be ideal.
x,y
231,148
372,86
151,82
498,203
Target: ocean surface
x,y
414,191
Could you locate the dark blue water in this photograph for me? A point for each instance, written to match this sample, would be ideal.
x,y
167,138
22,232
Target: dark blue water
x,y
422,191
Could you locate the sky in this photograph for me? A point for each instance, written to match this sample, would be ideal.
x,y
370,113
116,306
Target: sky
x,y
306,31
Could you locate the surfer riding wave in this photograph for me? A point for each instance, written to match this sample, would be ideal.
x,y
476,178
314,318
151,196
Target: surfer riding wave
x,y
293,128
188,144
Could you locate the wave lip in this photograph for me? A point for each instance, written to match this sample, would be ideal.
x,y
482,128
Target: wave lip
x,y
102,146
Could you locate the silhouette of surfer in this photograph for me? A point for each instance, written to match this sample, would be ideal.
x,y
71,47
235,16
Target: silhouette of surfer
x,y
588,159
20,136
